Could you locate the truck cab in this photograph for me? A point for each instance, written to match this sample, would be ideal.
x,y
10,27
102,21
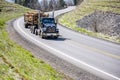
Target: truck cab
x,y
48,27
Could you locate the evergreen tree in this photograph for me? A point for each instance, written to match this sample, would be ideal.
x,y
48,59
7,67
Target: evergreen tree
x,y
75,2
26,3
52,4
62,3
17,1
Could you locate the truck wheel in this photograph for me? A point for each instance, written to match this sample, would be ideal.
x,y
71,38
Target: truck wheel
x,y
55,37
26,25
41,35
33,30
36,32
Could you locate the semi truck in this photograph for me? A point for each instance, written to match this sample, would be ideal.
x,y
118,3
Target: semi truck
x,y
41,24
48,27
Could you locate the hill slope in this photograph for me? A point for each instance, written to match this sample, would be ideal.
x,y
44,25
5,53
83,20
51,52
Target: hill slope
x,y
17,63
87,16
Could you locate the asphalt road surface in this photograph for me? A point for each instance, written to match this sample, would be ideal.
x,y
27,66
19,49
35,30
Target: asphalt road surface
x,y
96,56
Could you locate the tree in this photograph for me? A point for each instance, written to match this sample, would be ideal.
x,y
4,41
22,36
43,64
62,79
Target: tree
x,y
77,2
16,1
26,3
38,6
69,2
19,2
44,5
52,4
62,3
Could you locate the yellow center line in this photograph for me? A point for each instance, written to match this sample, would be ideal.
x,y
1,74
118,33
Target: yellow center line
x,y
95,49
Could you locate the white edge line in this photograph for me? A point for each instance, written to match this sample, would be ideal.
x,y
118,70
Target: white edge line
x,y
94,68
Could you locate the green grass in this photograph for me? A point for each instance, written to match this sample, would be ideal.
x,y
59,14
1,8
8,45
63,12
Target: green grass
x,y
6,72
15,59
87,7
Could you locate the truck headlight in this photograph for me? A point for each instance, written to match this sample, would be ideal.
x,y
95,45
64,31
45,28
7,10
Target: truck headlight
x,y
44,29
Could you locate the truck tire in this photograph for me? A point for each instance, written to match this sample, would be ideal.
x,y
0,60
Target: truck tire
x,y
36,32
31,29
41,35
36,29
26,25
55,37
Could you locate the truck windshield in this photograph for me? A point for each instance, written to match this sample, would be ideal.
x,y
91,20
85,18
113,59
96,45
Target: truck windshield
x,y
48,20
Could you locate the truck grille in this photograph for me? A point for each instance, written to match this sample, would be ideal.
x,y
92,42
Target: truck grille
x,y
51,29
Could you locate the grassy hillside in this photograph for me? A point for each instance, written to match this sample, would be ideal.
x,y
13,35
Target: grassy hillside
x,y
17,63
87,7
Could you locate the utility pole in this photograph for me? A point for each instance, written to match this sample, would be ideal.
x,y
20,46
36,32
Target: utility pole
x,y
53,6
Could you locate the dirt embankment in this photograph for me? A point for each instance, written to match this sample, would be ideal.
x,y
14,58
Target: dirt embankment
x,y
102,22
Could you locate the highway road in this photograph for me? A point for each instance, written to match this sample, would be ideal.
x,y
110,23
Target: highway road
x,y
96,56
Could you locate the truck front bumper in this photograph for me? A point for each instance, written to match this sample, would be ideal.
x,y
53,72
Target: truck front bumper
x,y
51,34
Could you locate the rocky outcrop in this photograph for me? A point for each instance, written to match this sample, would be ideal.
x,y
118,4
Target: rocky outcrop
x,y
102,22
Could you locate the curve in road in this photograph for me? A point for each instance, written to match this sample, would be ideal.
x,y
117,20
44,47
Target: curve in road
x,y
96,56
